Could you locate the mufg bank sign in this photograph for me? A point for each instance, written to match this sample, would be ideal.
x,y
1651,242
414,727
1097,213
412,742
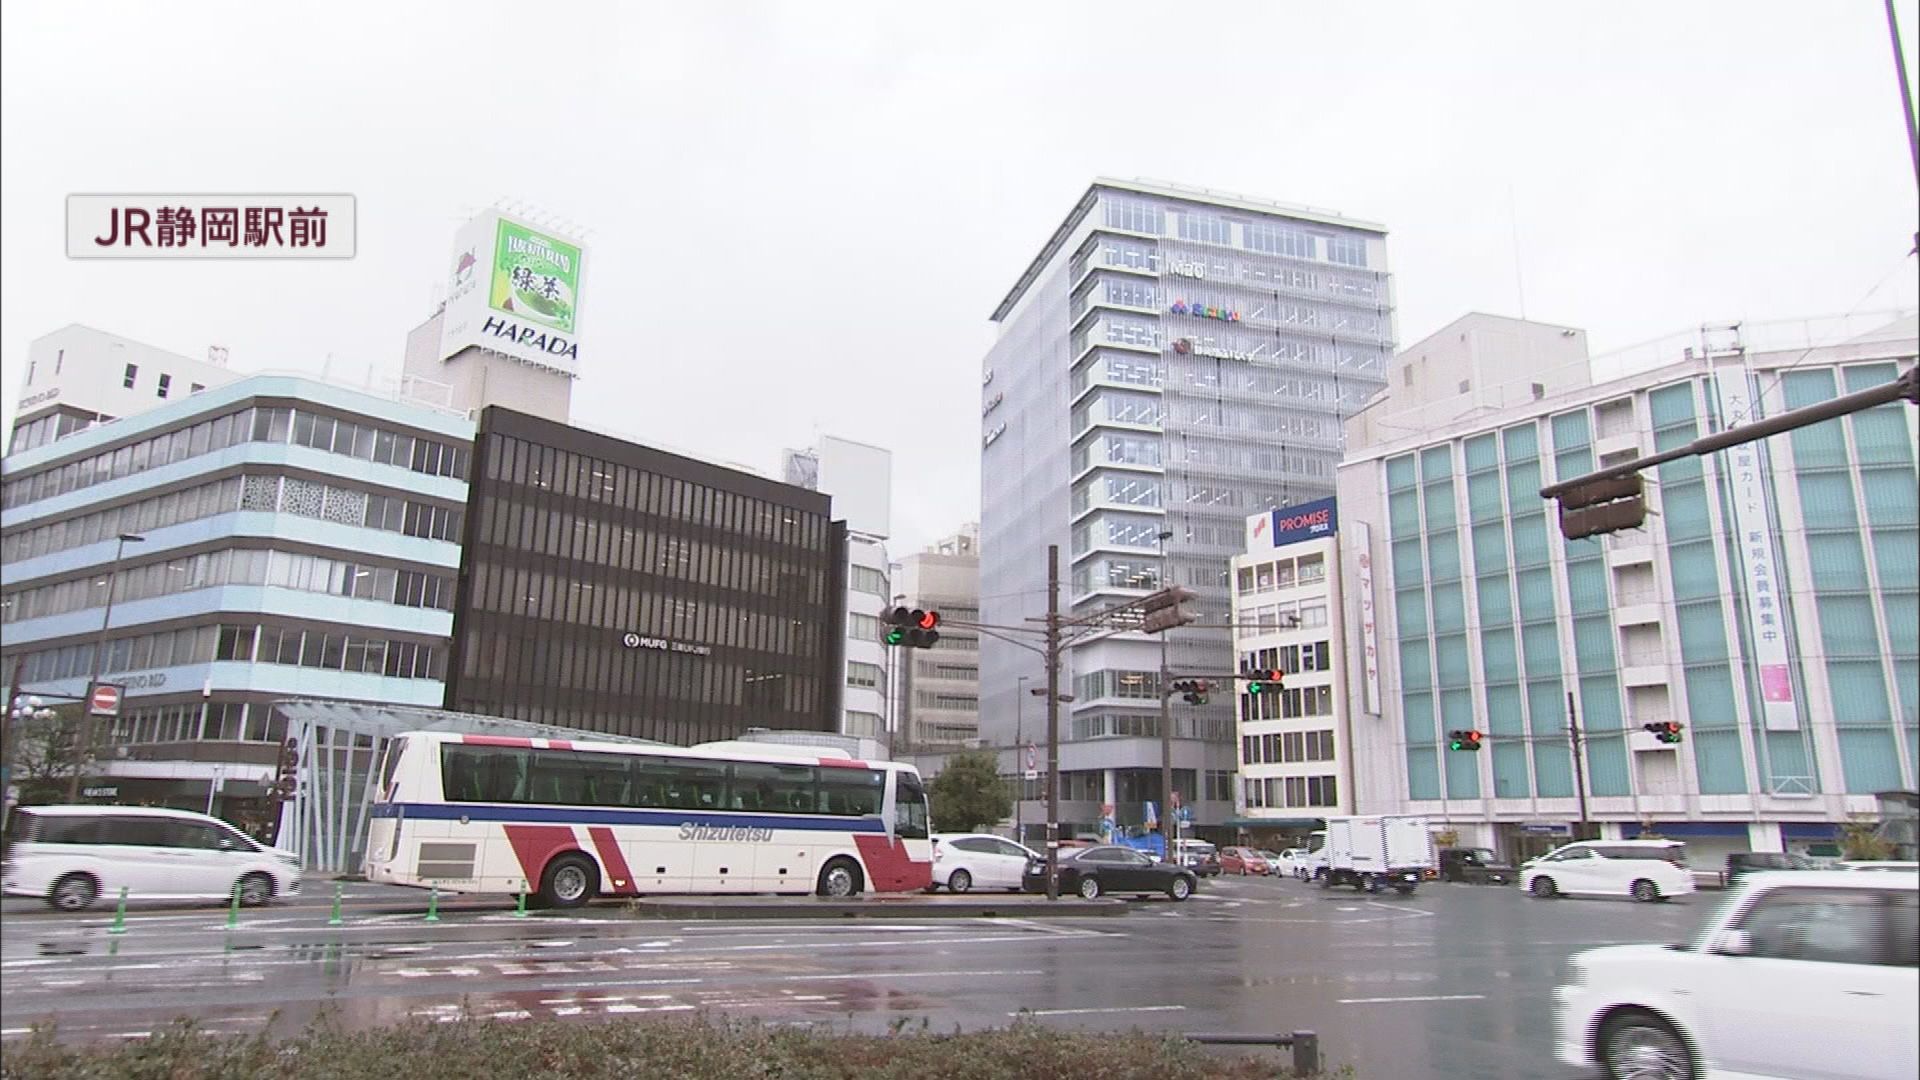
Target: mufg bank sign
x,y
1303,521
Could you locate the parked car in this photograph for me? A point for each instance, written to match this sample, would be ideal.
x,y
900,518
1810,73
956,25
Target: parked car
x,y
71,856
1109,868
1646,870
967,861
1279,863
1741,863
1293,861
1813,973
1198,856
1243,861
1474,865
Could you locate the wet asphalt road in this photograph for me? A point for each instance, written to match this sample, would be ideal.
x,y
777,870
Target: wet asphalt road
x,y
1454,981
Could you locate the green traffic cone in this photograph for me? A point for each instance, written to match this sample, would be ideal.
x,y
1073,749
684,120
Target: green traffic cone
x,y
120,914
433,905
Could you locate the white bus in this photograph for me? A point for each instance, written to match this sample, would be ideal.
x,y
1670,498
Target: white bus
x,y
568,821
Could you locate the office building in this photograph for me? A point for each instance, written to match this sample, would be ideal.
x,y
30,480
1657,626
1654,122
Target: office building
x,y
1295,739
1171,361
859,480
611,587
284,538
78,376
1769,605
939,688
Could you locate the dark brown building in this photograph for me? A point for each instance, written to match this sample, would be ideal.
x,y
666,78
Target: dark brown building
x,y
612,587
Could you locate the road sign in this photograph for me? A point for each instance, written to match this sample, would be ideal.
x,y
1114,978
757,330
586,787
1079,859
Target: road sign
x,y
1032,771
104,700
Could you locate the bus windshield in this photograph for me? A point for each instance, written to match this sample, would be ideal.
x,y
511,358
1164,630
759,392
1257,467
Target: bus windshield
x,y
910,808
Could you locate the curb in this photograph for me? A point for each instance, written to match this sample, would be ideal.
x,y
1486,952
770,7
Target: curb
x,y
815,908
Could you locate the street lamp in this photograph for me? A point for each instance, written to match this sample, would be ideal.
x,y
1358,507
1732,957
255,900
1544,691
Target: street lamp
x,y
85,748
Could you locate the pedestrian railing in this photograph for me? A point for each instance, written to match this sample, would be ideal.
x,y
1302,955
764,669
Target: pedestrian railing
x,y
1304,1044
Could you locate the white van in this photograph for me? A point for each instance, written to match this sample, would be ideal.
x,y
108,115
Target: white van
x,y
71,856
1646,870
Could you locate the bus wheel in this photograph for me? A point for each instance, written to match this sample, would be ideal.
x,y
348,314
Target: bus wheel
x,y
570,881
840,877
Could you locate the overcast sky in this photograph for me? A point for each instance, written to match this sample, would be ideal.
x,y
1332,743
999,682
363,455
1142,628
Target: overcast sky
x,y
803,214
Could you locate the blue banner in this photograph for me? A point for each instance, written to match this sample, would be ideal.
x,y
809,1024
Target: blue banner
x,y
1304,521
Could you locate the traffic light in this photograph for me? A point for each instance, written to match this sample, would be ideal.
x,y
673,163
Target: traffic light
x,y
1195,690
1163,610
1666,731
283,782
912,627
1463,739
1265,680
1603,506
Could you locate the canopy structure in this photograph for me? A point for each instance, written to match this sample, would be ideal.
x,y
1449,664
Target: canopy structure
x,y
339,746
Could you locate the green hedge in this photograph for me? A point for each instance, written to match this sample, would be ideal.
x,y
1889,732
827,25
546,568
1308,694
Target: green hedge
x,y
624,1050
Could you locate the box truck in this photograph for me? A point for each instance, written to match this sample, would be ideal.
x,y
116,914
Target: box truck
x,y
1375,852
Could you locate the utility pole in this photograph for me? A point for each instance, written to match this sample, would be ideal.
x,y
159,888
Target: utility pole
x,y
1166,723
1053,721
84,752
1020,758
1579,767
1907,120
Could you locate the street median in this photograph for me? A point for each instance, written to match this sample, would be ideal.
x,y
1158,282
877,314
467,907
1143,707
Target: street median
x,y
911,906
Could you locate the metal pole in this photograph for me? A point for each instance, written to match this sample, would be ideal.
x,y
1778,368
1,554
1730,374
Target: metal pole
x,y
1579,768
213,786
7,736
1906,97
84,752
1020,757
1052,655
1167,827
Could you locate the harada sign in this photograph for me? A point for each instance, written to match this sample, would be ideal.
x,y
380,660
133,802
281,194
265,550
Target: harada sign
x,y
515,290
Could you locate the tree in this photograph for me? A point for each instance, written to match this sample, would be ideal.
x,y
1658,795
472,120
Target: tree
x,y
45,754
1861,840
969,793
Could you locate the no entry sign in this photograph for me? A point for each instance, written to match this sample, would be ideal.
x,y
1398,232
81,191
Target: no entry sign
x,y
104,700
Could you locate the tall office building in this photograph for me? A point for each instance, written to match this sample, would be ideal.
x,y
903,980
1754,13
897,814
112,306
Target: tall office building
x,y
77,377
1172,361
1770,604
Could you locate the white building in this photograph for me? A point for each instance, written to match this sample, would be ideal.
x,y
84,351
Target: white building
x,y
78,376
1295,741
1770,605
859,478
938,689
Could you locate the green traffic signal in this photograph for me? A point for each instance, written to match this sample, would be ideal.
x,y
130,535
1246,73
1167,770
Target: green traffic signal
x,y
896,636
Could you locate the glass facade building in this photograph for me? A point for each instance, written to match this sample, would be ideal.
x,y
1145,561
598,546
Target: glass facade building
x,y
299,540
611,587
1770,605
1172,361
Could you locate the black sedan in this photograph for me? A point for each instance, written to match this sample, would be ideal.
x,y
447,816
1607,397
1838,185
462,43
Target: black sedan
x,y
1089,872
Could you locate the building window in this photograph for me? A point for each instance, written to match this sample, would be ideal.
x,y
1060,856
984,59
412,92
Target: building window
x,y
863,628
132,373
868,580
1347,250
863,675
166,384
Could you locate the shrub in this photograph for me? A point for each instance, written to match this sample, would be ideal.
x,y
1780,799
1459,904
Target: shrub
x,y
690,1049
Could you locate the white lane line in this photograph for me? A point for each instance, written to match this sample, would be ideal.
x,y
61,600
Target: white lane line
x,y
1076,1012
4,1032
901,975
1419,997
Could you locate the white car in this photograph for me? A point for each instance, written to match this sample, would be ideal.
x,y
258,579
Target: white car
x,y
1799,974
1880,864
72,856
1646,870
963,862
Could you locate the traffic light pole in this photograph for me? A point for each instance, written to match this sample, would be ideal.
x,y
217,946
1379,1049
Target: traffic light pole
x,y
1907,386
1053,721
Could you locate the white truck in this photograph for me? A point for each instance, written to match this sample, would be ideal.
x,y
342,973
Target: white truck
x,y
1374,852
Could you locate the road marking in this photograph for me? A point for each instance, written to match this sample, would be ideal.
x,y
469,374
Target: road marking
x,y
1112,1009
4,1032
1418,997
901,975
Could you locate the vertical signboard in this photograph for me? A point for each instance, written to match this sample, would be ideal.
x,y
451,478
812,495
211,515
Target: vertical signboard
x,y
1369,633
514,289
1759,570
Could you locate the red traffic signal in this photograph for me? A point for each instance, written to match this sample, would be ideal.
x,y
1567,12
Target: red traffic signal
x,y
912,627
1463,739
1265,680
1666,731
